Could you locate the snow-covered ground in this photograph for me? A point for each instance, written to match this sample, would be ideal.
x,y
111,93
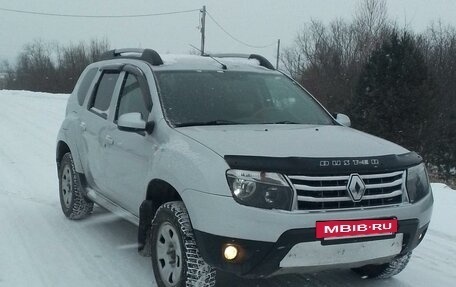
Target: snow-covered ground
x,y
40,247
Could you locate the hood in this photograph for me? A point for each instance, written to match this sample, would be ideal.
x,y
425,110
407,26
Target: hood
x,y
290,141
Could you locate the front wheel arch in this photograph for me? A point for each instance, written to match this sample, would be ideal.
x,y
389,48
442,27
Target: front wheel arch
x,y
158,193
62,149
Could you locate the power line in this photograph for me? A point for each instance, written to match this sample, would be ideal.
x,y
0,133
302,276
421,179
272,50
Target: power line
x,y
236,39
96,16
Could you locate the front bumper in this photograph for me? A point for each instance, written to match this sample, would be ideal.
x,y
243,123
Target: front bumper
x,y
291,251
266,237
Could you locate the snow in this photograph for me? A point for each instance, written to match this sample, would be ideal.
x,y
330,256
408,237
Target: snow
x,y
170,59
40,247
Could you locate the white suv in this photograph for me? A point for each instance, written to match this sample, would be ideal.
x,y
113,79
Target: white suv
x,y
225,163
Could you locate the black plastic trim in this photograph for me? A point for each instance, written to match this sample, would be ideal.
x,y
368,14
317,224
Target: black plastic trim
x,y
102,115
140,132
146,214
260,259
133,70
263,61
147,55
324,166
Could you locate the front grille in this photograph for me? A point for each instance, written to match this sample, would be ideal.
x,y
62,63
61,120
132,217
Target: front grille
x,y
330,192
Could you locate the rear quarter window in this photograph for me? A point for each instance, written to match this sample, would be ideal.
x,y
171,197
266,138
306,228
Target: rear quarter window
x,y
85,85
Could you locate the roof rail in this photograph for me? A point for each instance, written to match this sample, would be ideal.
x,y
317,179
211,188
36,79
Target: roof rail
x,y
148,55
263,61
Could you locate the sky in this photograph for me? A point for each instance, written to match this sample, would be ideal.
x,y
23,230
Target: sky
x,y
256,22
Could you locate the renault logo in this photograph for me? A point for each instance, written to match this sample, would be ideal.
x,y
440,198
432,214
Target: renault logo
x,y
356,187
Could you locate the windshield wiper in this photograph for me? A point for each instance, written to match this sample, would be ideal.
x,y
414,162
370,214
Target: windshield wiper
x,y
208,123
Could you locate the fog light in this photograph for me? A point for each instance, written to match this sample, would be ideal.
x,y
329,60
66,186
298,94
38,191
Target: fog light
x,y
230,252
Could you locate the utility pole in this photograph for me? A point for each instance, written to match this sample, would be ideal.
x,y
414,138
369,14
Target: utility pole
x,y
203,28
278,54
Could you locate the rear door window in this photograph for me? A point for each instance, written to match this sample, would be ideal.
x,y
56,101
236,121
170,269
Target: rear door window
x,y
104,92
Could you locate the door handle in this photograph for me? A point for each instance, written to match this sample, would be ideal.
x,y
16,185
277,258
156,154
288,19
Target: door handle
x,y
83,126
109,140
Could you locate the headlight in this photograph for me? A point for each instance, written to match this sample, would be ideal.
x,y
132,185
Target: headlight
x,y
417,182
260,189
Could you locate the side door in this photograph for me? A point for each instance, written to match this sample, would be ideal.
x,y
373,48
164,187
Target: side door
x,y
128,157
84,92
95,121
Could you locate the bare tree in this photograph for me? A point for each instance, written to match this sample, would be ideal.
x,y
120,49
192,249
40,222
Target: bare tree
x,y
49,67
35,69
372,26
328,59
371,16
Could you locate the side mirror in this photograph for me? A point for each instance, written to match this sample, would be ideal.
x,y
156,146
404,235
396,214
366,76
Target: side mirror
x,y
343,120
131,121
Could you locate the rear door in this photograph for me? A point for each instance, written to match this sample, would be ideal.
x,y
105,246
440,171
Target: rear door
x,y
95,121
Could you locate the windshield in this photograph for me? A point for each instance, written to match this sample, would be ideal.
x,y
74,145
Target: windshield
x,y
232,97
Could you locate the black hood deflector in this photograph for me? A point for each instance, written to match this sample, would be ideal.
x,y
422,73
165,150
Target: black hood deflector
x,y
325,166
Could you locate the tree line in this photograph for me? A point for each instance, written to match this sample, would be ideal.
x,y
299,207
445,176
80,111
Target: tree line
x,y
49,67
391,81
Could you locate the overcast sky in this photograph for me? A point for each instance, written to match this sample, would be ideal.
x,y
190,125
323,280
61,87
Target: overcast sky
x,y
257,22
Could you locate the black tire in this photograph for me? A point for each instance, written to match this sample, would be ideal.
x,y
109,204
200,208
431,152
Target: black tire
x,y
74,204
182,254
385,271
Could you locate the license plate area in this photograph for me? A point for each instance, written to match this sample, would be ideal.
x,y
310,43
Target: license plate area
x,y
341,229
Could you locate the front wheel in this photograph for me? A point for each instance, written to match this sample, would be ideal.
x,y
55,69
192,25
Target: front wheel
x,y
176,260
387,270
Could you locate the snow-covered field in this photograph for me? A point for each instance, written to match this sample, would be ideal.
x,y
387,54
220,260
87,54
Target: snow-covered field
x,y
40,247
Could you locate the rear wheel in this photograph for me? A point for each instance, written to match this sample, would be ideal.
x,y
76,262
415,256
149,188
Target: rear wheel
x,y
387,270
74,204
175,257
